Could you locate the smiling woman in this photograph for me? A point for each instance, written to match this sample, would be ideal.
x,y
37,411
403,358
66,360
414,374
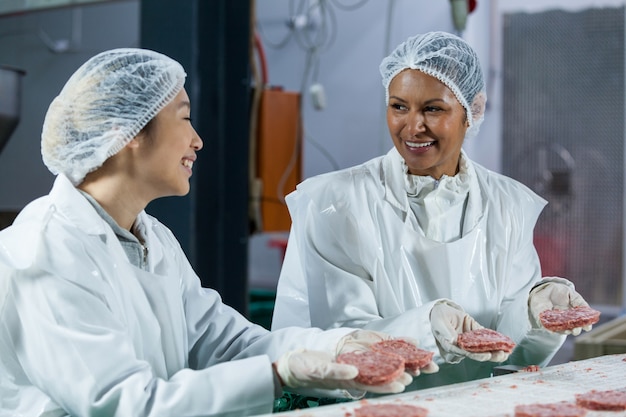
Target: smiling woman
x,y
161,158
427,124
423,242
85,272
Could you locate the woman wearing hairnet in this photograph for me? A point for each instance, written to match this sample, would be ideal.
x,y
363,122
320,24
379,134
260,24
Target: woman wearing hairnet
x,y
100,311
423,242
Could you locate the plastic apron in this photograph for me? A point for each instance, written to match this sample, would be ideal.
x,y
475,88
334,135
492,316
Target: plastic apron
x,y
461,258
358,246
422,258
448,262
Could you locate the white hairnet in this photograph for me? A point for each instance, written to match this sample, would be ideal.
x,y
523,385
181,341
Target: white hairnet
x,y
104,105
449,59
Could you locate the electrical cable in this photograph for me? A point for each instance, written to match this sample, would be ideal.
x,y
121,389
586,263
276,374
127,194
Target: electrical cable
x,y
304,37
333,35
297,148
261,54
318,33
260,81
349,8
310,55
333,162
274,45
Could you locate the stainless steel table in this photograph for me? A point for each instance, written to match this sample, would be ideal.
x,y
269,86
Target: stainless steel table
x,y
497,396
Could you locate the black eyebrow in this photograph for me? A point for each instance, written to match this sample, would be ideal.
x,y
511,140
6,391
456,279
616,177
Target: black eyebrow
x,y
430,101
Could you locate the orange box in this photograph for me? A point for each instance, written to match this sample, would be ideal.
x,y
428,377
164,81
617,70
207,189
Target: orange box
x,y
279,155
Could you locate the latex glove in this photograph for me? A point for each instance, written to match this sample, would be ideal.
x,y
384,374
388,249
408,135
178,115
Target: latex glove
x,y
314,369
431,368
447,321
554,293
362,340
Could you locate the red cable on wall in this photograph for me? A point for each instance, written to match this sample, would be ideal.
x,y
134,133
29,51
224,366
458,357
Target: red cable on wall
x,y
261,53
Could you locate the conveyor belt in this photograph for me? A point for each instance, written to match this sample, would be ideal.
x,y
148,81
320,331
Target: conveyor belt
x,y
497,396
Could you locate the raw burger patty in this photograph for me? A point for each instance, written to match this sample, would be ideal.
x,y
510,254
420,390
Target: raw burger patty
x,y
390,410
375,368
531,368
414,357
559,320
610,400
485,340
561,409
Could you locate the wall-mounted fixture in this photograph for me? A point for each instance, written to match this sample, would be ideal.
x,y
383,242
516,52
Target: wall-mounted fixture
x,y
460,10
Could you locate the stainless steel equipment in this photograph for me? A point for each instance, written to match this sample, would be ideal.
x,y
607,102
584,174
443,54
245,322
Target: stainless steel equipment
x,y
10,99
569,154
497,396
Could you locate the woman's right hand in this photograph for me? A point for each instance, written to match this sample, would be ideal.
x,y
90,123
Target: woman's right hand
x,y
447,321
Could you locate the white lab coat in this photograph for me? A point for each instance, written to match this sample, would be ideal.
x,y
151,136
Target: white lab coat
x,y
357,257
83,332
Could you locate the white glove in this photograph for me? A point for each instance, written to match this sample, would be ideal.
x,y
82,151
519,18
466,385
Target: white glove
x,y
362,340
447,321
554,293
431,368
314,369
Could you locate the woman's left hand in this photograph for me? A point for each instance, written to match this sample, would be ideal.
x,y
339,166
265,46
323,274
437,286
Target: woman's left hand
x,y
554,293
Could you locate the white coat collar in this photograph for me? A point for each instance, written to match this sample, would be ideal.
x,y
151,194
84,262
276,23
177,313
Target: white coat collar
x,y
67,202
393,178
395,191
65,198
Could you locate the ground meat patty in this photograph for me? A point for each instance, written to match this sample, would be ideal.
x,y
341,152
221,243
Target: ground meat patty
x,y
610,400
485,340
531,368
414,357
560,320
390,410
561,409
375,368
